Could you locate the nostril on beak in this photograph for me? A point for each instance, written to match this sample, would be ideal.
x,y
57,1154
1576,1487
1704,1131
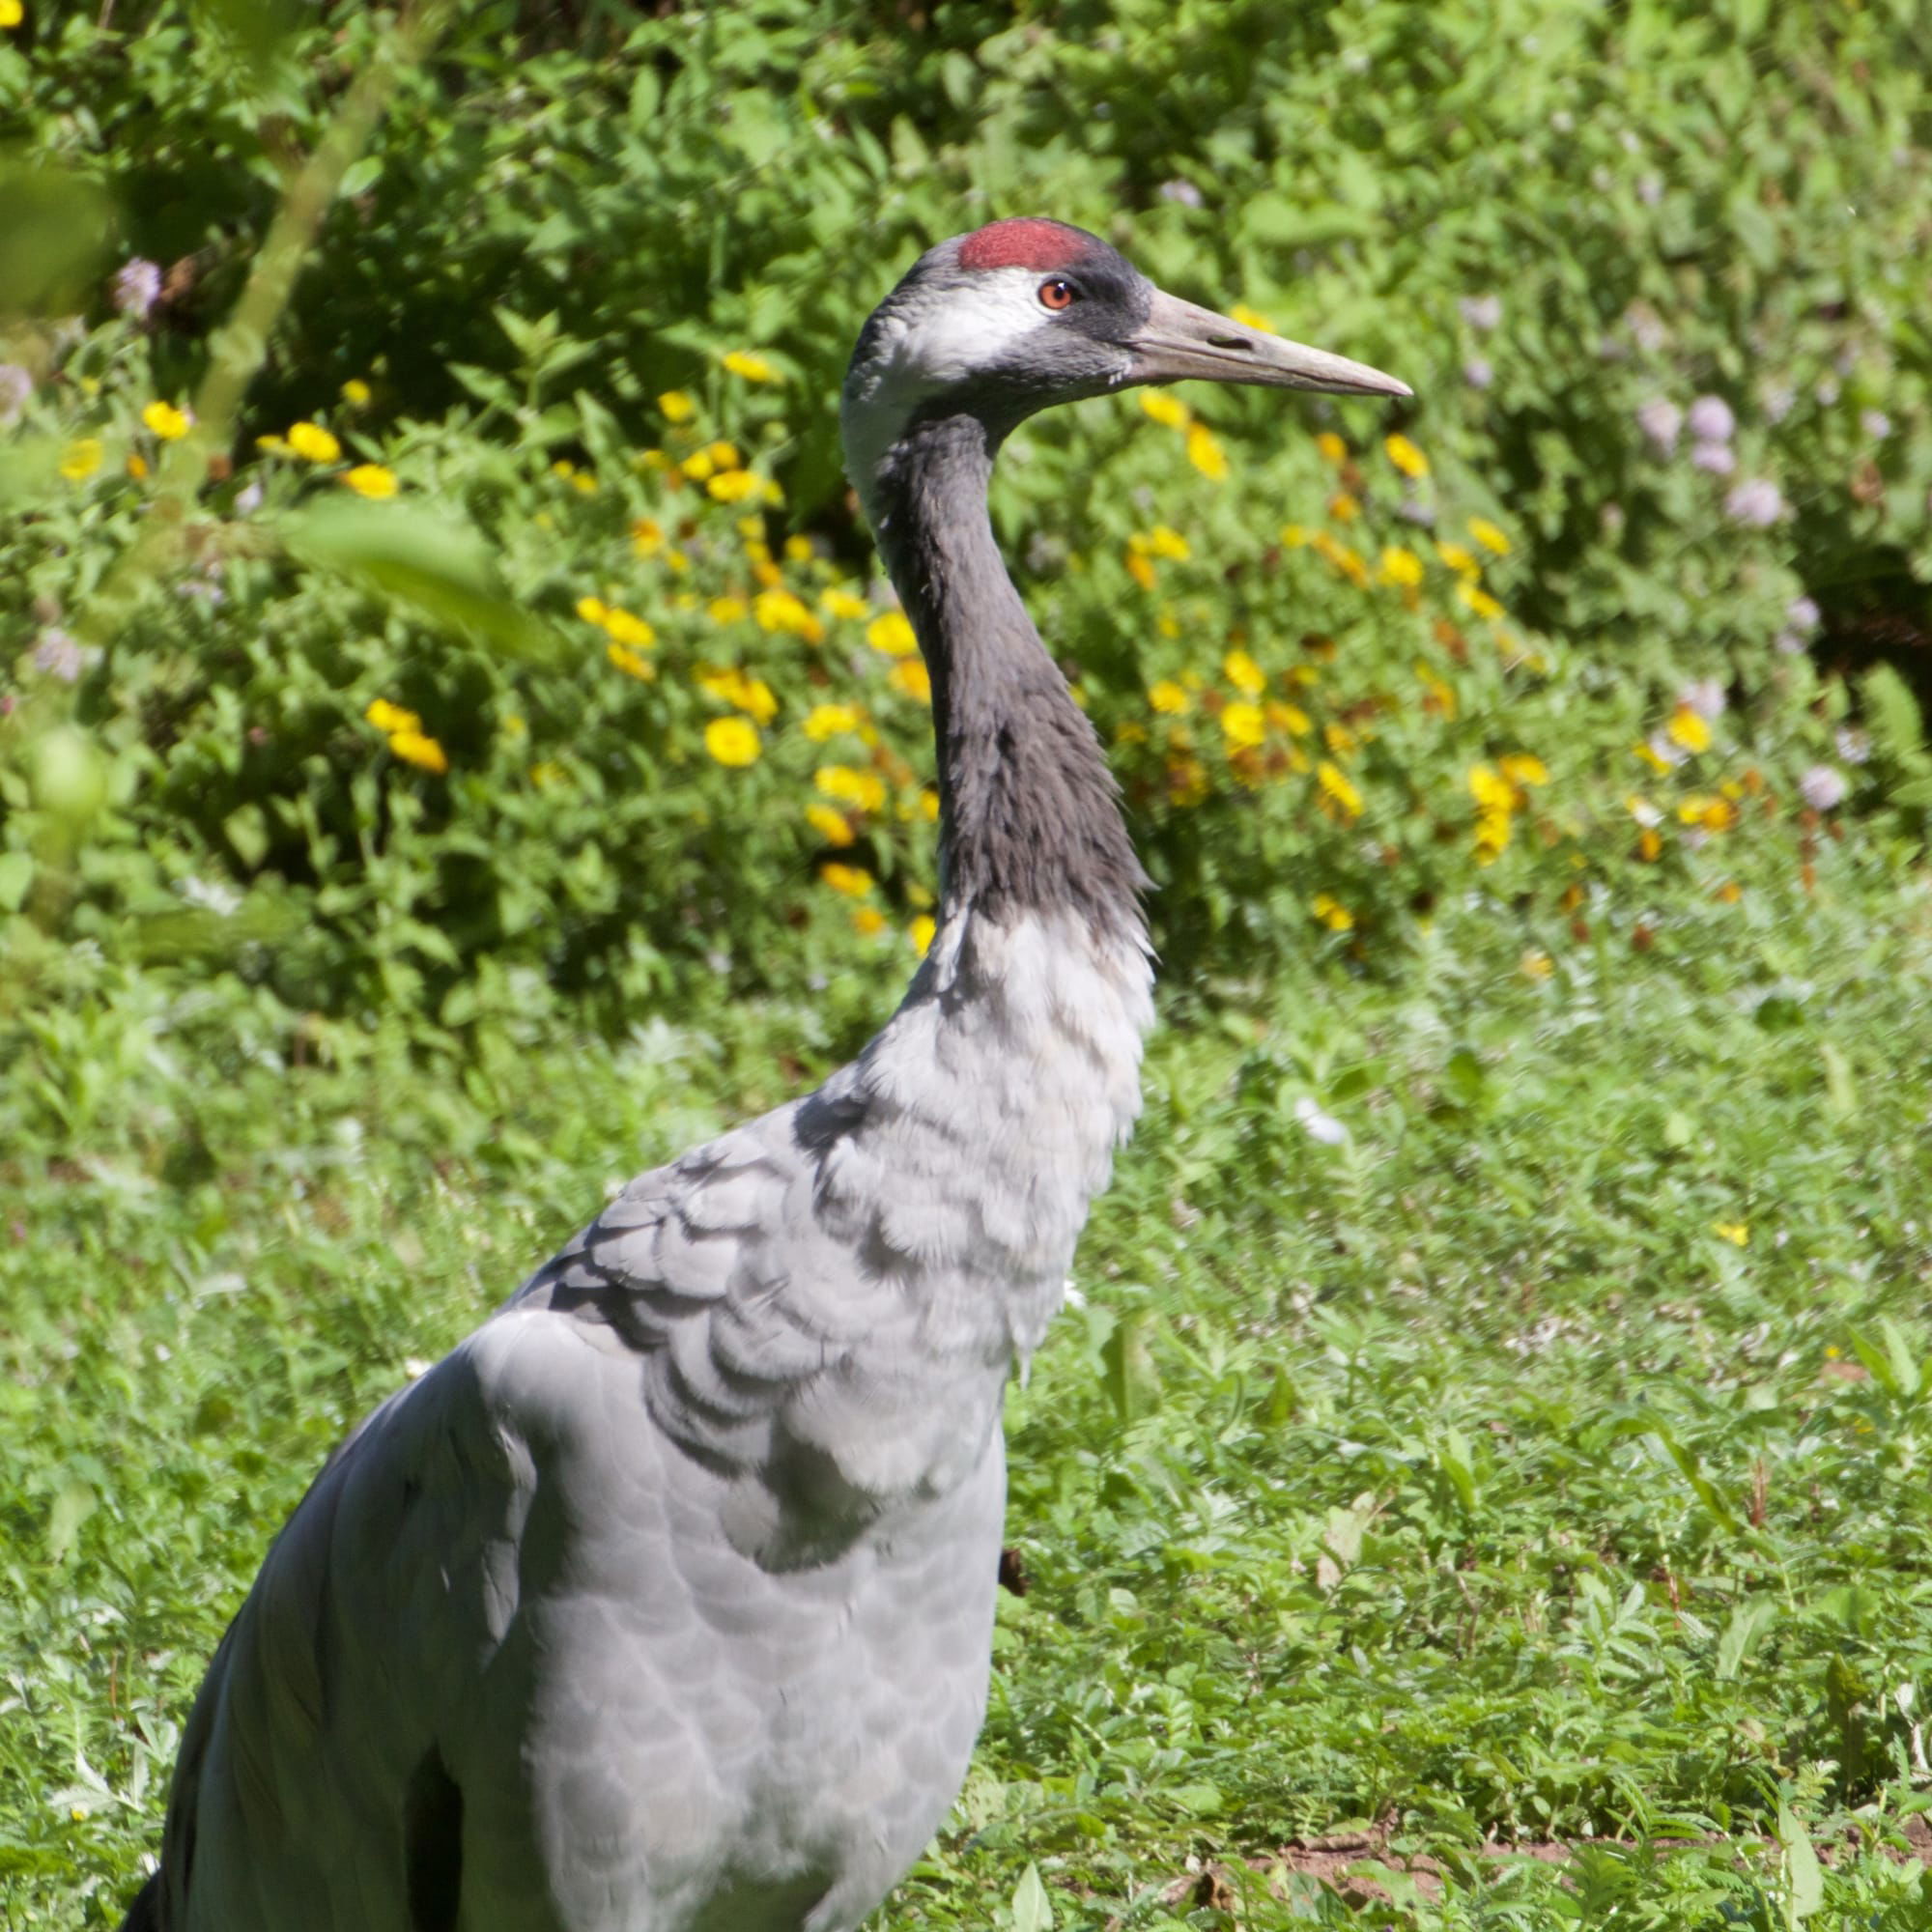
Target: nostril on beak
x,y
1230,342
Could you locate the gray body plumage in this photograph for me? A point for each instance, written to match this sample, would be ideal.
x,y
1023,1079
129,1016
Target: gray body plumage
x,y
663,1604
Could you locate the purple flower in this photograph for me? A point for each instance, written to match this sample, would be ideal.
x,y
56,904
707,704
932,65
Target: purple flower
x,y
1477,373
61,657
1876,424
1182,191
1712,420
1757,501
1854,746
1716,457
1705,695
1481,311
1661,419
1779,399
138,288
1827,390
1802,612
1650,189
1823,786
17,385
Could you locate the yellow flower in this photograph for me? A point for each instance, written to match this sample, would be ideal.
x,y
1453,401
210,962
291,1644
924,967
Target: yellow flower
x,y
626,629
138,465
1535,964
371,480
732,741
1141,569
698,466
583,483
1334,783
1339,739
1493,834
1293,536
842,604
548,772
1168,698
1460,559
1331,447
827,721
273,445
166,421
864,790
929,806
312,442
911,678
892,633
1491,790
357,393
1523,768
1489,537
388,717
1478,600
1713,815
676,407
647,536
732,487
1242,725
12,14
798,549
752,368
1687,727
731,686
1406,457
630,663
1205,453
80,460
563,469
1288,718
867,921
591,610
1250,317
727,610
1244,673
1738,1233
922,932
854,881
1170,412
414,749
780,611
1400,566
1332,913
1440,695
724,455
831,826
1343,507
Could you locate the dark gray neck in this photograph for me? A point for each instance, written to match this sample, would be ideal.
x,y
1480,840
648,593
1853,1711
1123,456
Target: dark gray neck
x,y
1029,818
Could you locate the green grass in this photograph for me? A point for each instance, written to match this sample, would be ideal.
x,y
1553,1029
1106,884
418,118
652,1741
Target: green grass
x,y
1458,1485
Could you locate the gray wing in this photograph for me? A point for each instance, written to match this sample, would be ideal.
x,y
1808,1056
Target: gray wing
x,y
717,1359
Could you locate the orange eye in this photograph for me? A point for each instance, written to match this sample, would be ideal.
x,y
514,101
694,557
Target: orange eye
x,y
1056,294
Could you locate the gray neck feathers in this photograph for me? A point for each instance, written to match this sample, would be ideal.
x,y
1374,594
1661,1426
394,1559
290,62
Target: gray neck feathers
x,y
1028,813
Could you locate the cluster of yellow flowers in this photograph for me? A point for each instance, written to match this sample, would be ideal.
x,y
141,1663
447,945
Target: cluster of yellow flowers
x,y
407,738
1502,790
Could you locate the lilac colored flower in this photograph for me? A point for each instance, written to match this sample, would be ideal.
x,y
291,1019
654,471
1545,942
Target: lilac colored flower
x,y
1823,786
1705,695
1788,645
1717,458
1182,191
1802,612
247,500
138,288
61,657
1661,419
1650,189
1876,424
1612,519
1481,311
1320,1126
1757,501
1712,420
1418,510
1779,398
1477,373
16,384
1827,390
1666,749
1854,745
1629,141
1646,327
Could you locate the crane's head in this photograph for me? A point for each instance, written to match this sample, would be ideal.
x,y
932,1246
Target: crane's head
x,y
1026,313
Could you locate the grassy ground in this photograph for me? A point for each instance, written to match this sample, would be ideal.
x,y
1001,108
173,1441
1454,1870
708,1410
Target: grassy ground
x,y
1542,1464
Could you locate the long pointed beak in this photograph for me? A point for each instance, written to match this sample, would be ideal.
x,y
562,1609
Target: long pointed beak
x,y
1180,340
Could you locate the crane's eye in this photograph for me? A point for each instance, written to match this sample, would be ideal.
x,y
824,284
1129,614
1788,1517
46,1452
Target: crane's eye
x,y
1058,294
